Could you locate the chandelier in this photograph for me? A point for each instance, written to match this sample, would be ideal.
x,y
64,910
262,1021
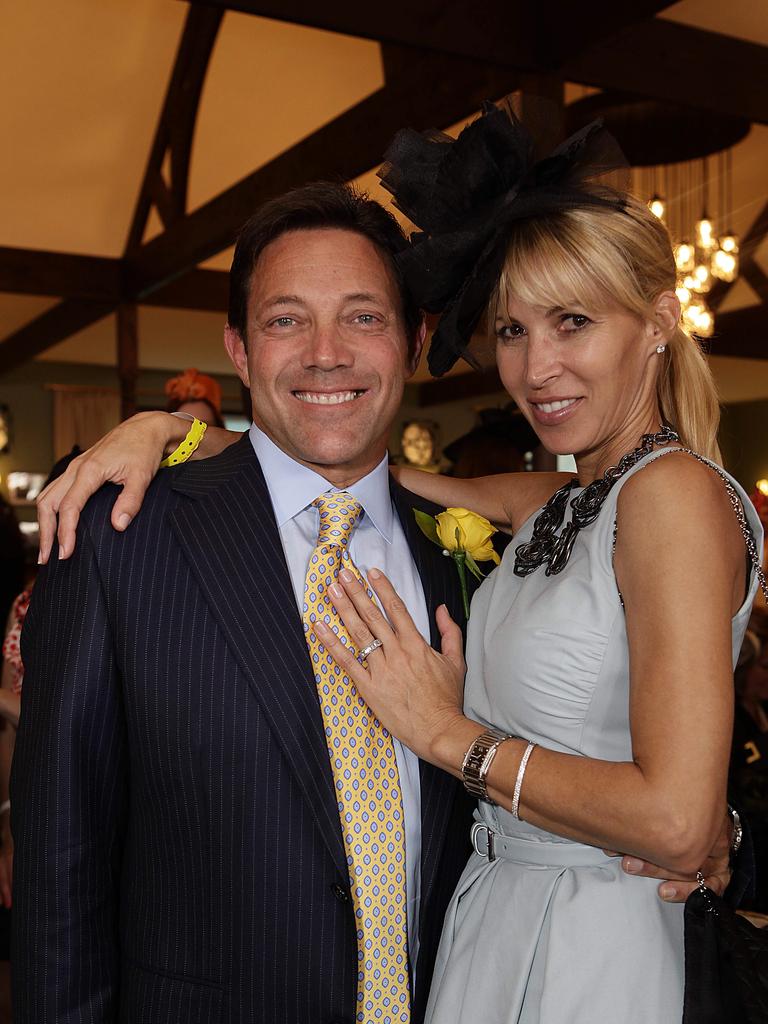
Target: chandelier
x,y
706,249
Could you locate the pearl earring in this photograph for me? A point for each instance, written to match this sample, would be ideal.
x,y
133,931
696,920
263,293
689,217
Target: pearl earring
x,y
660,349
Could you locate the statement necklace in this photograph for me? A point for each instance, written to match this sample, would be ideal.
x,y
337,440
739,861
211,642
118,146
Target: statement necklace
x,y
548,547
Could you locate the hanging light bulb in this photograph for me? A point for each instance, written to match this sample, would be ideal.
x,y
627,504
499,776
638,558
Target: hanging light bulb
x,y
730,243
690,282
690,313
658,207
683,294
762,486
725,259
702,279
699,320
701,258
724,265
705,323
685,257
705,236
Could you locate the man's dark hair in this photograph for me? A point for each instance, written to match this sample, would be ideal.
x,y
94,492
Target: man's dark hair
x,y
324,204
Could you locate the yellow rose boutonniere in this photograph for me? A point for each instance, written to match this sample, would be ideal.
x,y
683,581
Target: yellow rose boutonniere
x,y
465,537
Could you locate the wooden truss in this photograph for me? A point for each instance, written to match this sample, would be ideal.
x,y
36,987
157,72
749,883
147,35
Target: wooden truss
x,y
441,59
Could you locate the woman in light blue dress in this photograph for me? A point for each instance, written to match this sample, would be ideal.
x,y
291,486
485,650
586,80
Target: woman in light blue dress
x,y
597,706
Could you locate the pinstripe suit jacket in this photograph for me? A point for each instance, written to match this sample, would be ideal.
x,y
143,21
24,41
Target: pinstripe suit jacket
x,y
178,850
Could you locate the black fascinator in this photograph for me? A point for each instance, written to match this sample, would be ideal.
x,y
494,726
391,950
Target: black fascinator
x,y
464,195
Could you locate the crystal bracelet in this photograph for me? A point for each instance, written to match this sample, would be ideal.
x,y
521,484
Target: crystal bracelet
x,y
519,779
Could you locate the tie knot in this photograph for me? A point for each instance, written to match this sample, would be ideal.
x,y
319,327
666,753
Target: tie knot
x,y
339,512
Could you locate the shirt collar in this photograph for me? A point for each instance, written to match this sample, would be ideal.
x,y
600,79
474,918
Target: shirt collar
x,y
293,486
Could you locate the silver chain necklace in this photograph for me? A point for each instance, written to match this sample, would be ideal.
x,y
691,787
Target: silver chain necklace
x,y
548,547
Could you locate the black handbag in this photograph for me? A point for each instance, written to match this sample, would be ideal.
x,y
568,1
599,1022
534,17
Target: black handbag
x,y
726,963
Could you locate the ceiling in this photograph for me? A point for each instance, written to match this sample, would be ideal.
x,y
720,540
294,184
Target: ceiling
x,y
89,81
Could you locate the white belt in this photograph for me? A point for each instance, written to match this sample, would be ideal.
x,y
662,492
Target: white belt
x,y
494,845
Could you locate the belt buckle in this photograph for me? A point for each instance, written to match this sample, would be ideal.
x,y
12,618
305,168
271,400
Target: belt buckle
x,y
489,851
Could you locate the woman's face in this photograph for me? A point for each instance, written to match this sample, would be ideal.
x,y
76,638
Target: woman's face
x,y
200,409
584,379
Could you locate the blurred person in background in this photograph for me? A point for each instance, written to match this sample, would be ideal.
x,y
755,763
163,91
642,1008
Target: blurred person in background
x,y
10,706
11,678
748,777
497,444
12,580
196,394
12,569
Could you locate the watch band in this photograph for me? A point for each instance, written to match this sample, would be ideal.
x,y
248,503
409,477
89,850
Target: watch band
x,y
478,760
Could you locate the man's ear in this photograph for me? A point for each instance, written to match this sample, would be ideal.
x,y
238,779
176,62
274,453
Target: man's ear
x,y
415,348
234,343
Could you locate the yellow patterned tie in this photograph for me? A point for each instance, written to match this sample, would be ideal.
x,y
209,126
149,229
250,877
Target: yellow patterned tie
x,y
367,785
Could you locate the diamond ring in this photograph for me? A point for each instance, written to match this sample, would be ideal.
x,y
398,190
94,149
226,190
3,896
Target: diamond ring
x,y
374,645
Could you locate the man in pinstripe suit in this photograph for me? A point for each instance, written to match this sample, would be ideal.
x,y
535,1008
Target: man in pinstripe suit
x,y
179,856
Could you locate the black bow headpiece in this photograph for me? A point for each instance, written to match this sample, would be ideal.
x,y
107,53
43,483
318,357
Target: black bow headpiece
x,y
464,195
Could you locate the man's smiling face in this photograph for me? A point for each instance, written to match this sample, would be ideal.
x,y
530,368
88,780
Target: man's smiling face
x,y
327,353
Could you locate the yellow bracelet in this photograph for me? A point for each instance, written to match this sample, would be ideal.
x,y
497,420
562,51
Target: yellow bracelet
x,y
190,444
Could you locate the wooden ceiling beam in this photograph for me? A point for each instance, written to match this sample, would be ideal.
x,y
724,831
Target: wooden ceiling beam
x,y
56,324
492,29
673,62
82,278
176,125
506,32
748,246
742,333
575,28
432,89
98,279
757,280
38,272
205,291
605,44
425,88
200,290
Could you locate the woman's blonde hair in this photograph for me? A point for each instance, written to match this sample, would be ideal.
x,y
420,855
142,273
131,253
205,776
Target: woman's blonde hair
x,y
589,255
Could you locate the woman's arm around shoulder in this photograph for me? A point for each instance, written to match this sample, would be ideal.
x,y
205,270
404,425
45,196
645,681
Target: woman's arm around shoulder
x,y
505,499
130,455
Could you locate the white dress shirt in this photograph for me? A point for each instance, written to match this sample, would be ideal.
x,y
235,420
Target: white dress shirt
x,y
377,540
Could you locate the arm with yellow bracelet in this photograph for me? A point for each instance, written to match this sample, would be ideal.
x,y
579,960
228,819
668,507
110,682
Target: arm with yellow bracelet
x,y
192,441
130,455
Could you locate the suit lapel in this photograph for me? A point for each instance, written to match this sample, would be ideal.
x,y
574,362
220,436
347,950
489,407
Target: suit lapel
x,y
231,539
440,584
233,545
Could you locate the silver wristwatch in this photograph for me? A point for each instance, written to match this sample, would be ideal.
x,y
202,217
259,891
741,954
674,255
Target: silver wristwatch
x,y
478,759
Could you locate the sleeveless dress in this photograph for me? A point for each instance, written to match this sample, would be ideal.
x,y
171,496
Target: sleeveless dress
x,y
559,934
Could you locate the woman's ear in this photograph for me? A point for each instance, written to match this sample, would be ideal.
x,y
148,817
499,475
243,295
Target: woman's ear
x,y
665,317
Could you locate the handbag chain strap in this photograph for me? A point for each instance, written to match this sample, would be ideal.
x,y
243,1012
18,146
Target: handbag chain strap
x,y
705,892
